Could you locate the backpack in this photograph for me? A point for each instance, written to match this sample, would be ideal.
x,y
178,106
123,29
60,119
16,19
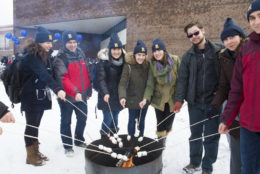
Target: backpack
x,y
12,77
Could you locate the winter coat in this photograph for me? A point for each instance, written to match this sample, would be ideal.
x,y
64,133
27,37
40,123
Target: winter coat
x,y
133,82
159,94
244,96
188,77
72,73
3,109
108,77
37,81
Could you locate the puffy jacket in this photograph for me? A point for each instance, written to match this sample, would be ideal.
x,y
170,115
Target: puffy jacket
x,y
244,96
72,73
158,94
108,77
37,79
133,82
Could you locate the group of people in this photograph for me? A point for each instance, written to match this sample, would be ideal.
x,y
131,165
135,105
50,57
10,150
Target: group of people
x,y
204,78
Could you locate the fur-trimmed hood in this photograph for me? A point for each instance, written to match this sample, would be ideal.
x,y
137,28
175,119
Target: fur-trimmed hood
x,y
129,58
103,54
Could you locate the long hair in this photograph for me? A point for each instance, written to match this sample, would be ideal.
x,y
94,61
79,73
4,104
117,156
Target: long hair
x,y
164,59
36,49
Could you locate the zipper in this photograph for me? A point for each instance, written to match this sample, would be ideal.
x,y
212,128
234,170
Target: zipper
x,y
81,74
254,97
204,75
253,61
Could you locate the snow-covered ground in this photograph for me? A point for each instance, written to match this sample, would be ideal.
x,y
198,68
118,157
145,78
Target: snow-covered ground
x,y
13,154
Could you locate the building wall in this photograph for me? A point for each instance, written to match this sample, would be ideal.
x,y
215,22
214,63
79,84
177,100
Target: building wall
x,y
146,20
6,49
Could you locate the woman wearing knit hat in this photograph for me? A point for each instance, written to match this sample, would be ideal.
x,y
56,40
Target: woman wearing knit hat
x,y
161,86
233,37
132,86
244,96
36,97
108,76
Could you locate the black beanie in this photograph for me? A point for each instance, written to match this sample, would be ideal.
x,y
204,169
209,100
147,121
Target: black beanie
x,y
114,41
42,35
140,47
158,44
254,6
231,29
68,35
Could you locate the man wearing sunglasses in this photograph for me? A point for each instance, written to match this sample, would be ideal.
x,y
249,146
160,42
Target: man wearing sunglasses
x,y
197,82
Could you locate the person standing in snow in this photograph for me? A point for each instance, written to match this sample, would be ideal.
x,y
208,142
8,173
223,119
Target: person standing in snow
x,y
5,115
35,96
233,38
244,96
71,71
132,85
197,82
108,76
161,86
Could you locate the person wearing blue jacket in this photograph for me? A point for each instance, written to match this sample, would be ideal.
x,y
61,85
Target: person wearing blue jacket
x,y
37,81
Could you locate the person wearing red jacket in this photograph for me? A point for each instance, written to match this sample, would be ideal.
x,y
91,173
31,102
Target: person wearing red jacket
x,y
244,96
72,73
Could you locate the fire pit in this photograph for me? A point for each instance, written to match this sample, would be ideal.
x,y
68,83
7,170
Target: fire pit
x,y
98,163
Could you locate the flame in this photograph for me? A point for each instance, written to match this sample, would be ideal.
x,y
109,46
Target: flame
x,y
129,163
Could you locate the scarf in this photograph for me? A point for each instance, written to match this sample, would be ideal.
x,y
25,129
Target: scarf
x,y
163,73
117,62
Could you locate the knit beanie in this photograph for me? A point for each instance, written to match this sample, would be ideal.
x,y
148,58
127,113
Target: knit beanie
x,y
140,47
68,35
114,41
158,44
42,35
231,29
254,6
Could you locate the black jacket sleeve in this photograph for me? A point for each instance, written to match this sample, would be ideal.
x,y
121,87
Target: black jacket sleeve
x,y
3,109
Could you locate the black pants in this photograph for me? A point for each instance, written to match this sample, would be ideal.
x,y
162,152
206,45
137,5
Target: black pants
x,y
161,115
33,118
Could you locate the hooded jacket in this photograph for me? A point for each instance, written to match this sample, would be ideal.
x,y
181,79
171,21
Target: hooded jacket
x,y
108,77
244,96
133,81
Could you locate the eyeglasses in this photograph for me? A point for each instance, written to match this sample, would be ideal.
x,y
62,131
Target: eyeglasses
x,y
195,34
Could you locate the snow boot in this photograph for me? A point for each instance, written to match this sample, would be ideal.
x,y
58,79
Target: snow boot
x,y
32,157
39,154
190,168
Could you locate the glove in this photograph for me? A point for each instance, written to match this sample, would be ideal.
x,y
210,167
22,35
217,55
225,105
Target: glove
x,y
211,111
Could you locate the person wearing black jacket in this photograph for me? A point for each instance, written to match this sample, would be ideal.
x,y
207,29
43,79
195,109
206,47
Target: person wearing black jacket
x,y
35,95
108,77
5,115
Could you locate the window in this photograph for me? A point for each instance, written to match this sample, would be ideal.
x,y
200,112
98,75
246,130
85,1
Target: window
x,y
4,43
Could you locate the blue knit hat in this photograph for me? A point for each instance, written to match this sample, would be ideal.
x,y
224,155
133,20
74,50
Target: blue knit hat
x,y
114,41
158,44
68,35
254,6
140,47
231,29
42,35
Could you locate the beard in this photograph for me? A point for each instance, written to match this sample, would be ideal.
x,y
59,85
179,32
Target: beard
x,y
201,40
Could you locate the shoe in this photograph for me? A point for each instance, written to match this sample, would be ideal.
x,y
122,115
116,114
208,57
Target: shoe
x,y
83,145
191,169
206,172
69,152
32,157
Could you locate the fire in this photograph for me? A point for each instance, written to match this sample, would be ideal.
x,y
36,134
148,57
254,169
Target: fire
x,y
129,163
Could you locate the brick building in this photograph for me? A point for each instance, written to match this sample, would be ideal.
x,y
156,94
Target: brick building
x,y
133,19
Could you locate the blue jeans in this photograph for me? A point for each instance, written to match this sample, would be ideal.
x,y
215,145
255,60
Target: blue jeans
x,y
135,114
196,114
66,110
250,151
107,119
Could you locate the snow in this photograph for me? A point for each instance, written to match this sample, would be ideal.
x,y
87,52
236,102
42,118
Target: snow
x,y
13,154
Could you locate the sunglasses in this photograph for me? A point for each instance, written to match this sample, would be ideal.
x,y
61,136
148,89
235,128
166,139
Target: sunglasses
x,y
195,34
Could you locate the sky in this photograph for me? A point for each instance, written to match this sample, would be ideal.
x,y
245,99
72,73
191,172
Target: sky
x,y
6,12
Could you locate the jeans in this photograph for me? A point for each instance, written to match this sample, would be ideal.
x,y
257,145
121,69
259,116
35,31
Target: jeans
x,y
135,114
196,114
33,118
235,159
107,119
66,110
250,151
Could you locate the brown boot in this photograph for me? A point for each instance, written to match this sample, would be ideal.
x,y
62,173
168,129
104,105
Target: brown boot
x,y
39,154
32,157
